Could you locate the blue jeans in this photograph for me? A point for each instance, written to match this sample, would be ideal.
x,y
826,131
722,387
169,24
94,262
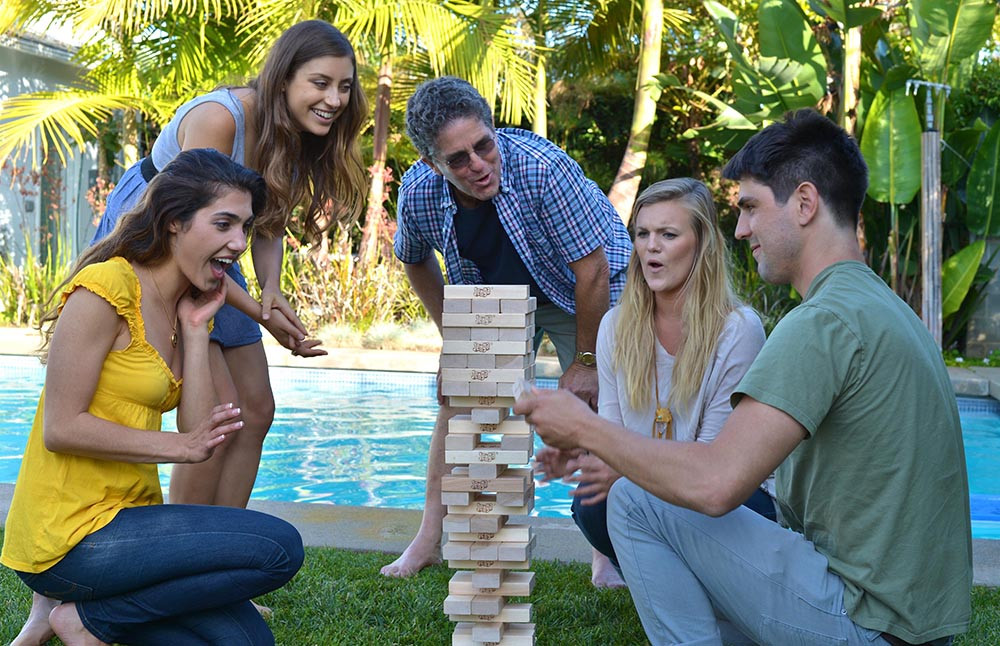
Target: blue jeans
x,y
738,578
176,574
593,520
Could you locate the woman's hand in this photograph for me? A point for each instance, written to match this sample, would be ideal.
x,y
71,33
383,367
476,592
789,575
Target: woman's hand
x,y
289,336
595,478
272,299
196,309
202,440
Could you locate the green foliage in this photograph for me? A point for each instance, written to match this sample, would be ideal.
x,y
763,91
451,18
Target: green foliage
x,y
957,275
891,146
325,285
25,289
983,188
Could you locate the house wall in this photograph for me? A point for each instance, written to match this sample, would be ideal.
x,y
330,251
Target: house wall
x,y
31,64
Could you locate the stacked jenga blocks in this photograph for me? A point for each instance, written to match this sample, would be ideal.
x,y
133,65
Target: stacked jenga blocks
x,y
487,347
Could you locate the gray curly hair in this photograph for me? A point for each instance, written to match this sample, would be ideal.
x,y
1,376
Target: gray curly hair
x,y
437,103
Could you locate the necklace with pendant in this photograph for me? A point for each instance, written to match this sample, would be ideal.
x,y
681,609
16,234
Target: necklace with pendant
x,y
163,304
663,421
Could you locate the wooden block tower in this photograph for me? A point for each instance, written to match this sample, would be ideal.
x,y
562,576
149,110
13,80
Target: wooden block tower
x,y
488,332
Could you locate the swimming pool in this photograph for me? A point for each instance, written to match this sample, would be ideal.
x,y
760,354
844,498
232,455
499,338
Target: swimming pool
x,y
354,437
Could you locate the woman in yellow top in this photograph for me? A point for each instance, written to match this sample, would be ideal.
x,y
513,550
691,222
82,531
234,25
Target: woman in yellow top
x,y
86,524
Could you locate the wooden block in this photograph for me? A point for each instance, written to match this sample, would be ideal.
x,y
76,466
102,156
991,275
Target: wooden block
x,y
485,305
514,584
458,604
488,389
512,442
461,442
510,498
457,305
522,346
487,564
518,321
487,334
472,523
518,305
456,498
485,579
514,333
513,425
513,480
455,361
488,604
487,470
487,291
463,424
473,360
509,551
484,551
511,361
514,635
456,334
510,533
489,415
487,631
486,456
461,550
487,375
455,388
491,507
510,613
460,402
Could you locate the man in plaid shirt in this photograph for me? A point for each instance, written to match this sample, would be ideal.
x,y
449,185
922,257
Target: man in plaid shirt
x,y
503,207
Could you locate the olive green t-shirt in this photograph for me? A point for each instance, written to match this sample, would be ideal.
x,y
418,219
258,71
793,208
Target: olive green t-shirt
x,y
879,485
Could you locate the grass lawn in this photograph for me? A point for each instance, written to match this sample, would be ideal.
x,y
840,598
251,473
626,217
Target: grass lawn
x,y
339,598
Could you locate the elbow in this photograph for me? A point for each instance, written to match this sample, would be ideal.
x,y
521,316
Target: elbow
x,y
719,497
53,440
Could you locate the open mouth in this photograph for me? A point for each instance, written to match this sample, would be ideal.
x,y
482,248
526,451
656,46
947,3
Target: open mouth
x,y
323,114
220,265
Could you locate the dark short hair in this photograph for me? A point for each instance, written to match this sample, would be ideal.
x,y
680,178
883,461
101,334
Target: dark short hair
x,y
806,147
437,103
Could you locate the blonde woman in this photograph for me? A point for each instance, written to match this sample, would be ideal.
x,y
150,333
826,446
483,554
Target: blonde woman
x,y
669,355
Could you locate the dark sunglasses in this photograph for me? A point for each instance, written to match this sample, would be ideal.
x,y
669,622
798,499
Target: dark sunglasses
x,y
461,160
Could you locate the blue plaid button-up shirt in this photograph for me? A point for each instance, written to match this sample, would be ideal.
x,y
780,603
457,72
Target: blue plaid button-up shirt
x,y
553,214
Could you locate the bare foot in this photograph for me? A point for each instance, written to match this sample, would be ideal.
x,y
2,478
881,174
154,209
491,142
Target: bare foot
x,y
603,574
264,611
65,621
419,554
36,630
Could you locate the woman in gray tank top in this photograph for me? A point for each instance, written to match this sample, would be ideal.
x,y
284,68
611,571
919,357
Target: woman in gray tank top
x,y
297,124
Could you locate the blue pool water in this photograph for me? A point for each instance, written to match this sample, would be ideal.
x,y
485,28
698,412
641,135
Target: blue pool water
x,y
361,437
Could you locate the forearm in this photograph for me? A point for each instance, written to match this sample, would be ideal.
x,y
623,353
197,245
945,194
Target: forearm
x,y
93,437
672,471
428,284
267,254
592,295
198,396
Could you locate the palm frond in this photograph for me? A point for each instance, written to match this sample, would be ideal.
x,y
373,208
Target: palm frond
x,y
60,120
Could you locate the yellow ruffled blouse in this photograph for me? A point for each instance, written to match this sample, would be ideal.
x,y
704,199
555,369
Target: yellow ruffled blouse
x,y
59,499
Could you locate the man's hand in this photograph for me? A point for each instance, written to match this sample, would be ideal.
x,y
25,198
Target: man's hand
x,y
558,416
552,463
595,478
582,382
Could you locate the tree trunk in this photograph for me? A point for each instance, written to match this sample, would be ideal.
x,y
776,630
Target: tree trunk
x,y
850,80
540,123
130,138
626,185
375,215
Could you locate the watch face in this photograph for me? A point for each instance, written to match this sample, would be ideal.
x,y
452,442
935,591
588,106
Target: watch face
x,y
586,358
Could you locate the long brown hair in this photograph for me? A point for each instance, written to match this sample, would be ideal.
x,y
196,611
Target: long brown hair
x,y
709,301
324,175
189,183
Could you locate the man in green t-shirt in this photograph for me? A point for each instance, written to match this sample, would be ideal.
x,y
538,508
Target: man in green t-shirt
x,y
848,401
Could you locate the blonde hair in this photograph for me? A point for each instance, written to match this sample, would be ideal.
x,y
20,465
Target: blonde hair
x,y
709,301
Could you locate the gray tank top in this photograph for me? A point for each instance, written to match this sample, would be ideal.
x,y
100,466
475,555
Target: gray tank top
x,y
165,148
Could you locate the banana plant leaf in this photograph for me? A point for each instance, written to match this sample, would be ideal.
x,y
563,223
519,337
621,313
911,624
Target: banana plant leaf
x,y
945,32
957,155
890,144
957,274
983,187
846,12
785,33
